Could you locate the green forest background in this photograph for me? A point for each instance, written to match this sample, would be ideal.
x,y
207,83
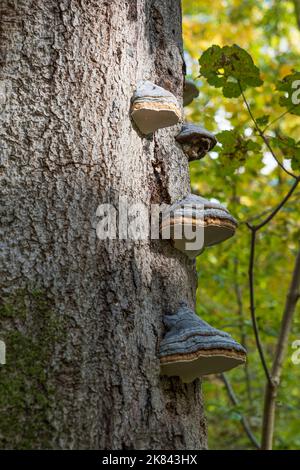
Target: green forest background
x,y
250,183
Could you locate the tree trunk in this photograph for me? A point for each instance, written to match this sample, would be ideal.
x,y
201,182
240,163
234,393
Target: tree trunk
x,y
82,317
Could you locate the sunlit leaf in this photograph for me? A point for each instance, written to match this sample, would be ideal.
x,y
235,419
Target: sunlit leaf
x,y
231,68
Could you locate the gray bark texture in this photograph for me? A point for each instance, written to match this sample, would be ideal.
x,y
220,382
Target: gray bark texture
x,y
81,317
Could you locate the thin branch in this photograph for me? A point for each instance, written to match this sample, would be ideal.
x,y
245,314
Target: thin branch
x,y
273,376
244,420
257,216
290,305
239,299
252,304
278,118
264,138
265,212
286,324
278,207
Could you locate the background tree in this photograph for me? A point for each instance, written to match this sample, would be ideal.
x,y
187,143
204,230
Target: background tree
x,y
81,318
252,183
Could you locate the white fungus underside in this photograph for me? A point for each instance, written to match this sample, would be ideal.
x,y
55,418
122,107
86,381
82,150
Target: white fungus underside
x,y
149,120
213,234
189,370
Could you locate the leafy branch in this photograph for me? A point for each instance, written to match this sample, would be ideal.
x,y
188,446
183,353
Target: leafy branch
x,y
273,376
263,136
254,229
232,69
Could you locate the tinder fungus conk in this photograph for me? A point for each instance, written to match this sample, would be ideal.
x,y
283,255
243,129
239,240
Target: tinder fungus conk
x,y
195,141
194,223
192,348
154,107
190,91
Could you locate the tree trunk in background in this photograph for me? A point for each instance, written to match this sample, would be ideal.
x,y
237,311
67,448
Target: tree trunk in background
x,y
81,317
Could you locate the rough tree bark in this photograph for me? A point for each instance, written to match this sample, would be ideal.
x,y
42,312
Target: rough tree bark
x,y
82,318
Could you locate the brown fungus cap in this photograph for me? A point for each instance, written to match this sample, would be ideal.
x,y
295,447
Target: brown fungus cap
x,y
211,221
154,108
192,348
195,141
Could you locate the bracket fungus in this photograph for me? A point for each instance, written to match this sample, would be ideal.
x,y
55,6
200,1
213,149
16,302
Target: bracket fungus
x,y
195,141
192,348
194,223
190,91
153,108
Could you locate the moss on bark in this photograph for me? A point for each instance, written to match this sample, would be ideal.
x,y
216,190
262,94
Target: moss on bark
x,y
29,329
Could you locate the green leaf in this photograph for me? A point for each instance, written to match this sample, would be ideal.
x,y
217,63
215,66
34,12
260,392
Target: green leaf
x,y
235,149
295,163
231,90
230,68
253,146
289,148
263,120
227,138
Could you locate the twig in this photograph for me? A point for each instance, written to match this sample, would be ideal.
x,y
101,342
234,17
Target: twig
x,y
273,377
257,216
278,207
239,299
278,118
272,388
264,138
252,304
254,229
244,421
270,211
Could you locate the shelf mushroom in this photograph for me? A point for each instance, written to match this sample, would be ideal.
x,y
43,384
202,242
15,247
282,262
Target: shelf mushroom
x,y
190,91
153,108
194,223
195,141
192,348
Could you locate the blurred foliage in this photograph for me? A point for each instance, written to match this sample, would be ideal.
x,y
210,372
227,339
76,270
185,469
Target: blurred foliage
x,y
242,174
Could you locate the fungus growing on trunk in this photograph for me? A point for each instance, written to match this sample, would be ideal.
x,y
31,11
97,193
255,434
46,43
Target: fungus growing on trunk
x,y
153,108
190,91
192,348
195,141
194,223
